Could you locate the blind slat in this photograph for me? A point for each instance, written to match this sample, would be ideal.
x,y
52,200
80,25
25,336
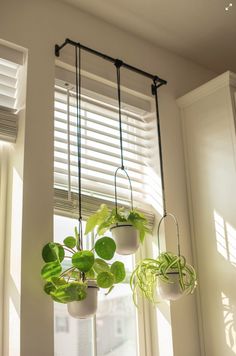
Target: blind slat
x,y
100,155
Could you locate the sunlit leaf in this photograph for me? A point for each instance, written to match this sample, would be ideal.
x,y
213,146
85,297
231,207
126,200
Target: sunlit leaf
x,y
105,279
70,241
83,260
51,269
105,248
118,270
52,252
74,291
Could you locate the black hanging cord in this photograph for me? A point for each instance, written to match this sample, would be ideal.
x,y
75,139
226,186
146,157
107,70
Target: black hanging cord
x,y
155,86
78,117
118,64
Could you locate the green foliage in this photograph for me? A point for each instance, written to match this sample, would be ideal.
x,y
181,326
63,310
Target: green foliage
x,y
83,260
105,279
118,270
103,219
67,268
105,248
100,266
70,241
53,252
69,292
144,278
50,270
97,218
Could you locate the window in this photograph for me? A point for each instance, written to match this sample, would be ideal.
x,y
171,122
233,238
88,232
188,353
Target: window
x,y
11,62
62,324
100,153
115,328
112,332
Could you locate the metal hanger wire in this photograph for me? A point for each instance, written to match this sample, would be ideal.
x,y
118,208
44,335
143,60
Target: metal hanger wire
x,y
118,64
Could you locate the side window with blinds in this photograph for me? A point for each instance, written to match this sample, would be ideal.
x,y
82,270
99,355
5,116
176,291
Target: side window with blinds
x,y
100,153
11,62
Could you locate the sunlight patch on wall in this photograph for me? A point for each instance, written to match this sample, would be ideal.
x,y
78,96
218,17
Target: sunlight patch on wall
x,y
229,322
154,190
16,213
14,330
225,238
164,329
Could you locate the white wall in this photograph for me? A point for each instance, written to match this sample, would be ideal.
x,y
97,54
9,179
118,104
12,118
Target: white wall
x,y
37,25
210,146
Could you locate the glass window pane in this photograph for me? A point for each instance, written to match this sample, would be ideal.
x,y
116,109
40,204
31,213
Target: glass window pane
x,y
116,323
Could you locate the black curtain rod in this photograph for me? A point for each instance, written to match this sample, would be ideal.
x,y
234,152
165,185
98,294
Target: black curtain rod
x,y
155,78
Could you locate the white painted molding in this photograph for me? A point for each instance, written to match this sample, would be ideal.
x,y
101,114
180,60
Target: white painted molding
x,y
226,79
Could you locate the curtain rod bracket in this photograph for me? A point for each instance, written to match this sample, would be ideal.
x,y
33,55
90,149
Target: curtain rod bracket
x,y
118,63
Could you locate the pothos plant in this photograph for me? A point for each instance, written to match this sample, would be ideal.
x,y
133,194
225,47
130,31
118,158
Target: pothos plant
x,y
67,268
149,272
104,219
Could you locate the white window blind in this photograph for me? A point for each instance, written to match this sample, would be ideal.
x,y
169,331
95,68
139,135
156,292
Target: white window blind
x,y
100,153
10,64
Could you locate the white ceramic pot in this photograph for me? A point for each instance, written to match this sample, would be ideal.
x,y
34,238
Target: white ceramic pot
x,y
170,290
126,238
85,308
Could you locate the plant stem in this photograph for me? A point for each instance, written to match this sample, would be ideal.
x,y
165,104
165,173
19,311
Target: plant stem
x,y
67,270
69,249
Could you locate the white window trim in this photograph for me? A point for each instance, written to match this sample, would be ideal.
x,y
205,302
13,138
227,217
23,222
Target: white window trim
x,y
3,215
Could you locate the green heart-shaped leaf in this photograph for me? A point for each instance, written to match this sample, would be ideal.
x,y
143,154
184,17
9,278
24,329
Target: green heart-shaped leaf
x,y
51,269
70,241
105,248
100,266
52,252
118,269
83,260
105,279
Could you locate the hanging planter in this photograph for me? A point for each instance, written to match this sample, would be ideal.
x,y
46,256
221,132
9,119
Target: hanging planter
x,y
176,278
126,237
85,308
168,275
74,280
72,274
128,227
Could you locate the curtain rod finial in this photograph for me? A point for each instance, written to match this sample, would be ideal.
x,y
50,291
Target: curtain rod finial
x,y
57,51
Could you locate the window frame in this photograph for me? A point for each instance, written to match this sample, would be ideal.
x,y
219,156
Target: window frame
x,y
146,322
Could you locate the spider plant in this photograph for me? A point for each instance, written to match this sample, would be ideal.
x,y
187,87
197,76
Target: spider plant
x,y
150,274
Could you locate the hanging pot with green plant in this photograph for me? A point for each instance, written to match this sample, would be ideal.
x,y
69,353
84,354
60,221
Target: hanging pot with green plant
x,y
169,275
72,276
128,227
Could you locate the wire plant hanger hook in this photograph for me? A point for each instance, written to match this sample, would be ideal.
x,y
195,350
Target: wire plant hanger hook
x,y
156,84
118,64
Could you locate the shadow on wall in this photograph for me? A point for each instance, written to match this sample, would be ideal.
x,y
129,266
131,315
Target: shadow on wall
x,y
226,247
